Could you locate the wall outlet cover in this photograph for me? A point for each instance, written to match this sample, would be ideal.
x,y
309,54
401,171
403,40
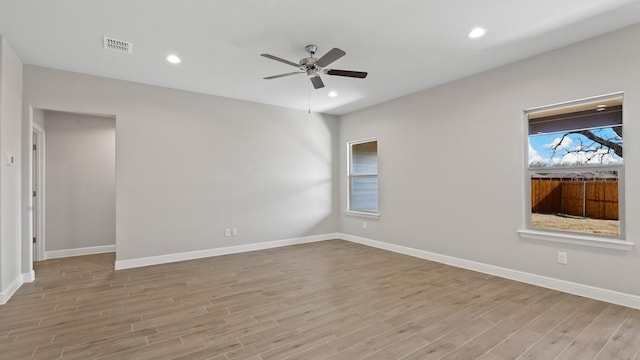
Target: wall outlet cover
x,y
563,258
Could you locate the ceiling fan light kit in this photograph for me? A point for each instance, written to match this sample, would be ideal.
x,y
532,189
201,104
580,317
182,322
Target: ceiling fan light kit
x,y
314,67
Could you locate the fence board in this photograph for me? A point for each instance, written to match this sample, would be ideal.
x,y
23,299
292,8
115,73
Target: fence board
x,y
602,200
546,196
596,199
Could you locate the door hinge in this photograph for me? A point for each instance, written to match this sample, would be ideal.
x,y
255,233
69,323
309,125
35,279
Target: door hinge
x,y
34,193
34,240
34,147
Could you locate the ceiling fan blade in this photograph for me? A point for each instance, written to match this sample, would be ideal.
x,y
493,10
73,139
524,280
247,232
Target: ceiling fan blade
x,y
282,75
272,57
347,73
317,82
333,55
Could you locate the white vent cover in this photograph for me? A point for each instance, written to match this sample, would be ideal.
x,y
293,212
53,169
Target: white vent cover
x,y
117,45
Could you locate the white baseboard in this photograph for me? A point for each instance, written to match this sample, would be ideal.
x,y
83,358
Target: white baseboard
x,y
29,276
55,254
191,255
592,292
7,293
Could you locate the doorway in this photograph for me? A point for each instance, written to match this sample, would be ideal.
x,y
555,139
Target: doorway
x,y
73,209
80,184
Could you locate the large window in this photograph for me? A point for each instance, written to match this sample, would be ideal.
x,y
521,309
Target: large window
x,y
576,166
363,177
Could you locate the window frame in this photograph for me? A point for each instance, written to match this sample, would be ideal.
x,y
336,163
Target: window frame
x,y
350,176
618,242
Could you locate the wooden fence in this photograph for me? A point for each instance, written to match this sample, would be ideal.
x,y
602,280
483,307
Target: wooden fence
x,y
595,199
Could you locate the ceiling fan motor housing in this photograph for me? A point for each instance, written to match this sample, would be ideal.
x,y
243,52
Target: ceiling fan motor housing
x,y
308,65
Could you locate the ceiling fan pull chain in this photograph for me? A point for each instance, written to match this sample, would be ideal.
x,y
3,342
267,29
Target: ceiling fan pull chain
x,y
309,87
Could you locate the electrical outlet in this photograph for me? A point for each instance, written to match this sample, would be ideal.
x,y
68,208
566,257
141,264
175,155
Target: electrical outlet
x,y
234,232
364,225
227,232
562,258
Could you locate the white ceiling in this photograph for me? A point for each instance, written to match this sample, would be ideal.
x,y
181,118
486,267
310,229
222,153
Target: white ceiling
x,y
405,45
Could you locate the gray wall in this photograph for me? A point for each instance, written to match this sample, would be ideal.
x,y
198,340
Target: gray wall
x,y
10,177
189,165
80,183
451,162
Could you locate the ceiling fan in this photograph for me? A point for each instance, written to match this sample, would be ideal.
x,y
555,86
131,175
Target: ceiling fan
x,y
315,67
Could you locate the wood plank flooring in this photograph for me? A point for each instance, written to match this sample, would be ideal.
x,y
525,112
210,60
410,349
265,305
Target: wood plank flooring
x,y
330,300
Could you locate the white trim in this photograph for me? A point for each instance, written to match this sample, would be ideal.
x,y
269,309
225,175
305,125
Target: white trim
x,y
586,100
349,211
55,254
592,292
191,255
40,218
574,239
550,235
28,276
6,294
362,214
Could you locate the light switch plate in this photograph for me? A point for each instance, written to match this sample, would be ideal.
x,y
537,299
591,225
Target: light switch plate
x,y
9,159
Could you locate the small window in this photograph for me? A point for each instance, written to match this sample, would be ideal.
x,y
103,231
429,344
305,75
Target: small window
x,y
575,167
363,177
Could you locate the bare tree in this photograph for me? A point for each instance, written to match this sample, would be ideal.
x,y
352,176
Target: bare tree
x,y
593,144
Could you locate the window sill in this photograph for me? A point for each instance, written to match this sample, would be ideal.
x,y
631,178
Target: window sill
x,y
369,215
574,239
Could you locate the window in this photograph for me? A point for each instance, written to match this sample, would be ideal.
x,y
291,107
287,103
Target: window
x,y
575,167
363,177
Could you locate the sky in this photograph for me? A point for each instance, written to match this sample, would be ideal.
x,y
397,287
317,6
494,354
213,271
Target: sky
x,y
569,152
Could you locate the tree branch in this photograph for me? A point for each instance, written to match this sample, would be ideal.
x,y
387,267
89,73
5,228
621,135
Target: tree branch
x,y
615,146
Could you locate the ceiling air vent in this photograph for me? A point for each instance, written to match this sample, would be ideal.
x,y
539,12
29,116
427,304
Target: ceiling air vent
x,y
117,45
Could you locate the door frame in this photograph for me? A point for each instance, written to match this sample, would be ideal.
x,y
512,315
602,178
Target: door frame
x,y
38,204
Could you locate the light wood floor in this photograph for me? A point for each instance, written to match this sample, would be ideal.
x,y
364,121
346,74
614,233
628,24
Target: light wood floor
x,y
328,300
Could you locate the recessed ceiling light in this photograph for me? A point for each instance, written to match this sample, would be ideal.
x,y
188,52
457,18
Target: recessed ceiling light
x,y
333,94
174,59
477,32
